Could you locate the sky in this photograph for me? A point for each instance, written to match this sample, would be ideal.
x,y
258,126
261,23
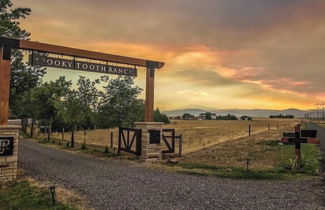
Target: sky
x,y
219,54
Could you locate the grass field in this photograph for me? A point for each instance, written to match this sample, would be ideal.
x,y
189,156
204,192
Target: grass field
x,y
197,134
25,195
222,148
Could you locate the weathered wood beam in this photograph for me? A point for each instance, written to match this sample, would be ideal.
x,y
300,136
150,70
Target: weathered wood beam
x,y
68,51
5,54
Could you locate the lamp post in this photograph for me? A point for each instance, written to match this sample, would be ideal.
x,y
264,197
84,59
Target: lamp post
x,y
52,191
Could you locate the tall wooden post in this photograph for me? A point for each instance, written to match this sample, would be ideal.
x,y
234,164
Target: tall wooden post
x,y
297,146
149,104
5,59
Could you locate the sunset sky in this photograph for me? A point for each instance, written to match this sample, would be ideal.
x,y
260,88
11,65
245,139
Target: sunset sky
x,y
218,53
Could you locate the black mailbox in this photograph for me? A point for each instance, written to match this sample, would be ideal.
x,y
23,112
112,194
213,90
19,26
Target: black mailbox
x,y
6,146
308,133
154,136
288,134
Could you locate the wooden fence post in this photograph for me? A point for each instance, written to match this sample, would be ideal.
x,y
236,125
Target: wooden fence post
x,y
62,138
180,145
119,142
85,135
112,140
249,130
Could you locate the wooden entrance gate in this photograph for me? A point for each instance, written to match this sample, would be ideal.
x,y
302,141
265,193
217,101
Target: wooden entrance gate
x,y
129,140
169,138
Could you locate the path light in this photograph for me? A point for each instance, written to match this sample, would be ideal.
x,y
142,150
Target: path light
x,y
247,163
52,191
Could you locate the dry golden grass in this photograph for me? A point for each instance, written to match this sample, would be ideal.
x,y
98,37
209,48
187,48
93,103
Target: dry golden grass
x,y
233,153
200,134
197,134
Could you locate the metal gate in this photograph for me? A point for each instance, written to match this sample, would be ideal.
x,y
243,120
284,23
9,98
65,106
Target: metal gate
x,y
129,140
169,138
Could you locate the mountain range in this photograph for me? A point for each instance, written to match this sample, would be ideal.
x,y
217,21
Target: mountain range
x,y
238,112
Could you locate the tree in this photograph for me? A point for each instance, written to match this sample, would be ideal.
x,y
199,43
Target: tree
x,y
208,115
90,98
188,116
77,107
71,109
28,109
120,105
23,77
159,117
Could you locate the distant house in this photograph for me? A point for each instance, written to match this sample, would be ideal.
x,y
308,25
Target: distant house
x,y
201,116
207,116
213,116
187,116
245,118
175,117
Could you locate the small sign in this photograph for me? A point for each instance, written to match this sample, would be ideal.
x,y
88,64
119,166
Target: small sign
x,y
42,60
6,146
154,136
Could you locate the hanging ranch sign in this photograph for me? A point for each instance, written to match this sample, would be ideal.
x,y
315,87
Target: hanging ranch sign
x,y
41,60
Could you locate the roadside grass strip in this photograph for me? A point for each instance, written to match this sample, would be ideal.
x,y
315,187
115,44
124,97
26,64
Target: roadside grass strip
x,y
283,170
23,195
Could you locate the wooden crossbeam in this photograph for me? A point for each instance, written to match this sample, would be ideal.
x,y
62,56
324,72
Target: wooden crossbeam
x,y
7,44
74,52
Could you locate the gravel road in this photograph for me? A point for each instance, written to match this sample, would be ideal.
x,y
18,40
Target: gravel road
x,y
321,135
112,184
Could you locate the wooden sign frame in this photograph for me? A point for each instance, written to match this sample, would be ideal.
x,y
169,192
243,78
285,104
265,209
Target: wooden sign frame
x,y
7,44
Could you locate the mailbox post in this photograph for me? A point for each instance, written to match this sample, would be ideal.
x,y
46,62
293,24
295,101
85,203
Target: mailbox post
x,y
298,137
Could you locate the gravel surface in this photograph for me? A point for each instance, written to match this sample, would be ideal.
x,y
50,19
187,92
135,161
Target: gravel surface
x,y
112,184
321,136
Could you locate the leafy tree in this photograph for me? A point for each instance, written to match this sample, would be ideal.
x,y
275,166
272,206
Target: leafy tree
x,y
23,77
159,117
227,117
28,108
77,107
245,117
71,109
208,116
187,116
90,97
46,96
120,105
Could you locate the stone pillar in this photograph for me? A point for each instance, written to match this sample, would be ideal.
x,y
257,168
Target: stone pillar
x,y
151,149
9,139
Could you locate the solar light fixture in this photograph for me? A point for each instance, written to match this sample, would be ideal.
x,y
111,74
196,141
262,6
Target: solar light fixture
x,y
247,163
52,191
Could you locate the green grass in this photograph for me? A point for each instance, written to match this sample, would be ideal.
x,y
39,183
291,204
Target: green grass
x,y
310,165
22,195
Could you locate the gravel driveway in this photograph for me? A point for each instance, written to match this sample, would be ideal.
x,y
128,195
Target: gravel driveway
x,y
111,184
321,135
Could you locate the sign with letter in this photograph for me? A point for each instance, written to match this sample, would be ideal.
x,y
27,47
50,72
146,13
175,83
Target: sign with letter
x,y
6,146
43,60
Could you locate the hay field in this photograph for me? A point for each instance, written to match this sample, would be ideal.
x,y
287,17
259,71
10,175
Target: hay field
x,y
197,134
233,153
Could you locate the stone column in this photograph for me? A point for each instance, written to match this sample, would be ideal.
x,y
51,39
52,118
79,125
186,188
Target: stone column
x,y
9,139
150,152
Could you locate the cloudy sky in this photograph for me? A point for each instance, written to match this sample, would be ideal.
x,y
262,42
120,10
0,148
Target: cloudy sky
x,y
218,53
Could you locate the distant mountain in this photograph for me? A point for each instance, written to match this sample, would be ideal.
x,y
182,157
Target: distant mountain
x,y
238,112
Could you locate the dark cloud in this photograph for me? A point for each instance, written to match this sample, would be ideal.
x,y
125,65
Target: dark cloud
x,y
279,43
204,77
